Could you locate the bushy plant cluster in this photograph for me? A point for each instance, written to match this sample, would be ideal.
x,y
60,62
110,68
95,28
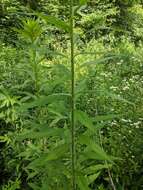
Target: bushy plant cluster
x,y
72,75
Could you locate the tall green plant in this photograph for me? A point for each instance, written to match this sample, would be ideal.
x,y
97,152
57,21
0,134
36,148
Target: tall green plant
x,y
73,148
46,118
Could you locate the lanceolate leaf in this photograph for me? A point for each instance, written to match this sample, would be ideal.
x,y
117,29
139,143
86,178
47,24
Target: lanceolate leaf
x,y
93,177
41,133
92,148
60,24
54,154
87,121
33,186
104,60
98,61
120,98
98,118
42,101
95,168
84,119
83,183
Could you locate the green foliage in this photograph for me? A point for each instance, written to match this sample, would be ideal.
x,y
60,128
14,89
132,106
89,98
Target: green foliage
x,y
12,185
35,96
7,111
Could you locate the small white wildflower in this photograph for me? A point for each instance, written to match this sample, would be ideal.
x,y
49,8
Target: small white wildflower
x,y
132,80
101,132
104,74
137,124
126,88
124,120
127,83
114,88
119,63
113,123
130,131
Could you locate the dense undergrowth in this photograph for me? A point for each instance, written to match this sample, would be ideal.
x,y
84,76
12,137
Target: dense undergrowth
x,y
35,103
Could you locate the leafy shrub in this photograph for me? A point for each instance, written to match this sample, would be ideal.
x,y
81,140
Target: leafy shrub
x,y
35,111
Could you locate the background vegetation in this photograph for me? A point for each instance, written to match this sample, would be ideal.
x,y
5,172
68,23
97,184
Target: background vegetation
x,y
35,94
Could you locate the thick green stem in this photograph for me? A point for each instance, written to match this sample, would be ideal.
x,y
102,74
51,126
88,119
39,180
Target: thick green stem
x,y
73,149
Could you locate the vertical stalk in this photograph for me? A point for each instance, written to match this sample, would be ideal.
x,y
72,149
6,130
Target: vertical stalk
x,y
108,170
73,150
35,70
